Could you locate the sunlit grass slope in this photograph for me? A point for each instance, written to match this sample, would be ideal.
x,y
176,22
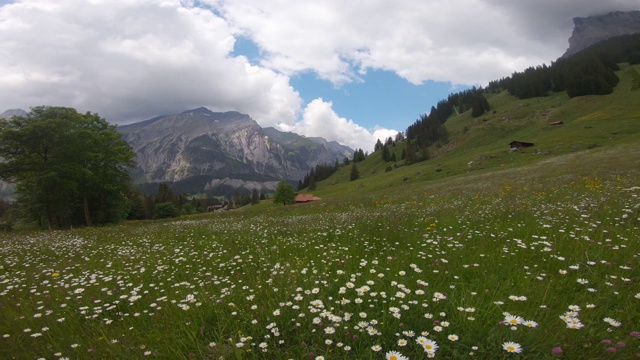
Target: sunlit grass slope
x,y
588,122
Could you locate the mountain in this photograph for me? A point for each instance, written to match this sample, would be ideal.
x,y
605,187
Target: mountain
x,y
200,151
12,112
590,30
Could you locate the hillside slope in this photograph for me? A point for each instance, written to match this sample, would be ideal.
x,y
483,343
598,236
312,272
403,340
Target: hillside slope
x,y
589,123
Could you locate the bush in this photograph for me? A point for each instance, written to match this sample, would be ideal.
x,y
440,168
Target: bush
x,y
166,210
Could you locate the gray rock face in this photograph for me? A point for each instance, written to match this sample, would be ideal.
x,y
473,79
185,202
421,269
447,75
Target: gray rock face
x,y
12,112
203,150
590,30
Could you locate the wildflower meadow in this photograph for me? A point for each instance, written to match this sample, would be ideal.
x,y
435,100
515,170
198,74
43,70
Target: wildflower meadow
x,y
488,269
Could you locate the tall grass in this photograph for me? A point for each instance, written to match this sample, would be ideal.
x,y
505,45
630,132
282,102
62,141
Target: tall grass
x,y
536,256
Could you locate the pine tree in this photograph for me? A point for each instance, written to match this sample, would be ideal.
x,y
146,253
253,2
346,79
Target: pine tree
x,y
355,174
255,198
386,155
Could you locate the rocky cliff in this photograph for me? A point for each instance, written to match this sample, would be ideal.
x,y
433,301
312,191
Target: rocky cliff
x,y
204,151
590,30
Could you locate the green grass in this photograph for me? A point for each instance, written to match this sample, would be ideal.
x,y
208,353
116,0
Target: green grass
x,y
589,122
479,239
378,262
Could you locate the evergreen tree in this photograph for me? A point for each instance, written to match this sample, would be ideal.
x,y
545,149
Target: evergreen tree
x,y
386,155
255,197
389,141
312,183
378,145
355,174
410,156
165,194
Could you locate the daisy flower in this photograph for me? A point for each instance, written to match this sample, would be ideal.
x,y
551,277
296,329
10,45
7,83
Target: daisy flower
x,y
512,347
530,323
513,320
612,322
376,348
430,346
394,355
453,337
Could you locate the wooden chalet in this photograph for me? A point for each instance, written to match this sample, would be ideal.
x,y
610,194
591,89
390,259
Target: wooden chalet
x,y
515,145
304,198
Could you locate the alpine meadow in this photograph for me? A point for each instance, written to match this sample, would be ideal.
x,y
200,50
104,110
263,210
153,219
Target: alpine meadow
x,y
475,249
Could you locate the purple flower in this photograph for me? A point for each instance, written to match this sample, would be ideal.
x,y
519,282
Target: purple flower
x,y
556,350
634,334
612,349
606,341
620,344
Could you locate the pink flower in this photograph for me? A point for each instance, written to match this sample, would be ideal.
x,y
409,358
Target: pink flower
x,y
556,350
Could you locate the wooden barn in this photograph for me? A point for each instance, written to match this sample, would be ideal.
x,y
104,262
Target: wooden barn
x,y
515,145
303,198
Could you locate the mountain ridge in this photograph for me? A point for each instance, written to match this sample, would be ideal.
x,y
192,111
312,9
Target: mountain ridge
x,y
198,148
590,30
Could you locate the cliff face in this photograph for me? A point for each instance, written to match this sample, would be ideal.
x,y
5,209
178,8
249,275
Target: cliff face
x,y
200,150
590,30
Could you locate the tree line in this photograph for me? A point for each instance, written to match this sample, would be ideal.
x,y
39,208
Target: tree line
x,y
588,72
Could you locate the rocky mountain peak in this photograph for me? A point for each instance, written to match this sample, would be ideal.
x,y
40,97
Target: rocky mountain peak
x,y
13,112
200,151
593,29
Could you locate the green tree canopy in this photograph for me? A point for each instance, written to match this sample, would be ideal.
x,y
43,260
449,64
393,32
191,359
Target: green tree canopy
x,y
284,194
69,168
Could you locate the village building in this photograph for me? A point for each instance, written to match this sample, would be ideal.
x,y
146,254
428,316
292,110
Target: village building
x,y
516,145
304,198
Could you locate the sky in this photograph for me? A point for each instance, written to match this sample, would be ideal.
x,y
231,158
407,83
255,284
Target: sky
x,y
350,71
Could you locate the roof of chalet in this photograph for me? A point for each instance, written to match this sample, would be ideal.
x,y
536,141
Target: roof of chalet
x,y
515,144
300,198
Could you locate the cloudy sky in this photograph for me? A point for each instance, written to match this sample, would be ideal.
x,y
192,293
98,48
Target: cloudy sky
x,y
349,71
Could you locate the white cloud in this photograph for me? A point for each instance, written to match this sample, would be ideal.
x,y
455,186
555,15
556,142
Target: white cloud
x,y
319,119
462,41
132,60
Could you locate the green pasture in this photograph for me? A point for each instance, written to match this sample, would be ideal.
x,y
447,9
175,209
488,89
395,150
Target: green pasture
x,y
531,254
438,260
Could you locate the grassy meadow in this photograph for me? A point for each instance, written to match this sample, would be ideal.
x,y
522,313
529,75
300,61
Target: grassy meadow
x,y
534,256
519,255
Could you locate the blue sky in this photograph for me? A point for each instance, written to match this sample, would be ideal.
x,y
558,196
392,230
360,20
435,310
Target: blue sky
x,y
347,71
377,98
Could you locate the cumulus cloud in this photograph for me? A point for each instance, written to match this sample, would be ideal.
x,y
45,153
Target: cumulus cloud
x,y
319,119
132,60
462,41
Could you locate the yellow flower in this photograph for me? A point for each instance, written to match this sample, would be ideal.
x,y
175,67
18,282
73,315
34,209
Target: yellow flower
x,y
55,275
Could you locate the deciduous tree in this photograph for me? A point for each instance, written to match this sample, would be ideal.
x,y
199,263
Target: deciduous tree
x,y
69,168
284,194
